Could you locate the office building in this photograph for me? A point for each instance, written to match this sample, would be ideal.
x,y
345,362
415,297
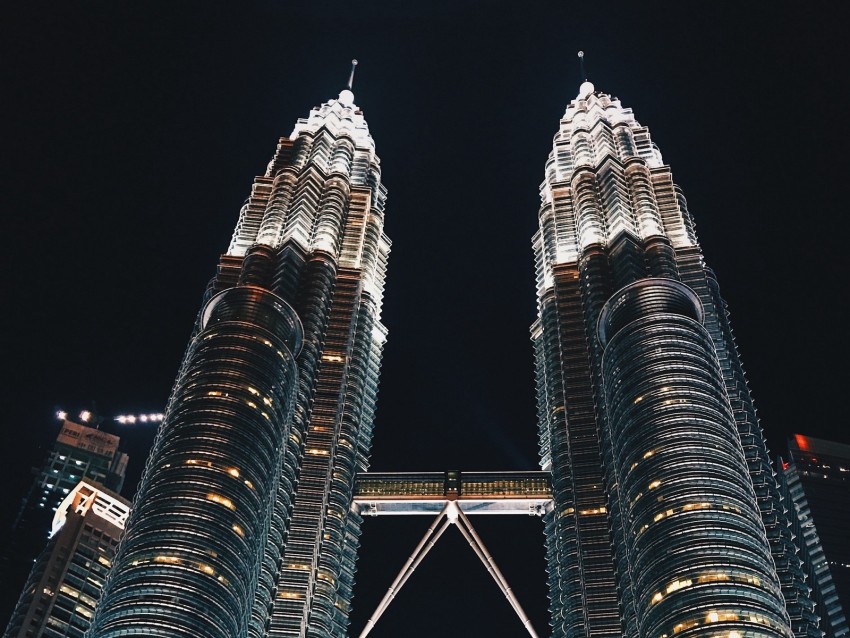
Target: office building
x,y
79,452
815,485
667,519
243,524
65,583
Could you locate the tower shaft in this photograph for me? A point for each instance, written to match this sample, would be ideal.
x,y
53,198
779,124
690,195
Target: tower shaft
x,y
242,525
645,417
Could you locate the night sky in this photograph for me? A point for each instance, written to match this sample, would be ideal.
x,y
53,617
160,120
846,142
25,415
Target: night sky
x,y
132,133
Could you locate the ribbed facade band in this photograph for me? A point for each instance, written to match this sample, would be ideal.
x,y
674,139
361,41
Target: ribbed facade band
x,y
190,559
242,525
667,520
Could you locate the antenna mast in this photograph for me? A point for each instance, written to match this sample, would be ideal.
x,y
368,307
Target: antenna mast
x,y
350,85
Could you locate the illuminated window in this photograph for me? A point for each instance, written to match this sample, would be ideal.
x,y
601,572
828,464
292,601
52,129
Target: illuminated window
x,y
221,500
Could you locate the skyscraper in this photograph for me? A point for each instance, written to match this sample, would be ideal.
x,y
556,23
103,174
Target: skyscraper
x,y
667,518
815,485
79,452
242,524
65,583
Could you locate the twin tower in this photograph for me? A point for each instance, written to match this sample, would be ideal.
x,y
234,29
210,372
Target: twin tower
x,y
662,515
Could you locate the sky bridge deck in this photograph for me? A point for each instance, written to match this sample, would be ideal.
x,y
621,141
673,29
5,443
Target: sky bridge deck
x,y
400,493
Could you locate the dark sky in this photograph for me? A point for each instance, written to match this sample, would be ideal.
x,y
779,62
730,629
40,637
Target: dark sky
x,y
132,133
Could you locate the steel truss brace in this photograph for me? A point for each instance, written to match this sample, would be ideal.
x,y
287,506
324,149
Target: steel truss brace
x,y
453,516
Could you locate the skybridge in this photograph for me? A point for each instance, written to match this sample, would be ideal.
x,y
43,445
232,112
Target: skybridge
x,y
451,497
394,493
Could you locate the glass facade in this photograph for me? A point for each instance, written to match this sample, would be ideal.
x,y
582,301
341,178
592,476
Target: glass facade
x,y
698,556
195,539
442,485
243,524
667,517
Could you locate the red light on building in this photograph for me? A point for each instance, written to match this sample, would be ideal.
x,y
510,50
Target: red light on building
x,y
802,442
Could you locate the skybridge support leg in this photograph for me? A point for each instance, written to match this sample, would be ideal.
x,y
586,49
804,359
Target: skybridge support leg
x,y
453,516
475,542
431,536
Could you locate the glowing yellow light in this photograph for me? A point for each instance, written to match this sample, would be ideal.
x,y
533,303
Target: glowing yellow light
x,y
654,484
233,472
657,597
678,584
712,616
221,500
238,530
299,566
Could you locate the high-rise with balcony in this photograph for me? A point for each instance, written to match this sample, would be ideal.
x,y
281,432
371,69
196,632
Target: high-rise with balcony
x,y
667,519
242,524
64,585
79,452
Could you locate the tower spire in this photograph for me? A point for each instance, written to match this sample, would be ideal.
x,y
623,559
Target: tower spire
x,y
346,96
350,85
586,87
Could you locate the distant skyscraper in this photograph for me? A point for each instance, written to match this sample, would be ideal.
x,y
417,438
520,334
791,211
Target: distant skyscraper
x,y
667,518
815,482
65,583
79,452
243,524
